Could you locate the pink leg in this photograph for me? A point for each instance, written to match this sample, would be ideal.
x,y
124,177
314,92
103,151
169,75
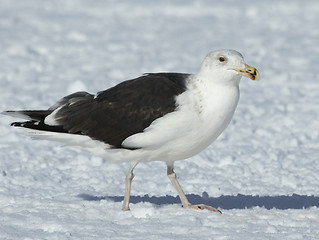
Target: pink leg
x,y
185,203
128,183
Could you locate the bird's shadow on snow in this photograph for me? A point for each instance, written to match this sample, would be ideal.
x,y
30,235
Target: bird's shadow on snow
x,y
223,202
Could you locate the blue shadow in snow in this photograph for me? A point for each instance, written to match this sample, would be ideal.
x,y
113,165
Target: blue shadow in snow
x,y
223,202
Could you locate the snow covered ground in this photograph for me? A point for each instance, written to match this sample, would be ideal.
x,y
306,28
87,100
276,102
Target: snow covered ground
x,y
268,156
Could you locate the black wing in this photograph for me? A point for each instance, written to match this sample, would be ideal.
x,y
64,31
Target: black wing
x,y
121,111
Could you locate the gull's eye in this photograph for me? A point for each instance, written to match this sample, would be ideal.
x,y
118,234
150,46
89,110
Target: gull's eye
x,y
221,59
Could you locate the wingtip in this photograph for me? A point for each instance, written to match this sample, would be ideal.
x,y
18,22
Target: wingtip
x,y
17,124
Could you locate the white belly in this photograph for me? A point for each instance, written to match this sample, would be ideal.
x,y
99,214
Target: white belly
x,y
204,127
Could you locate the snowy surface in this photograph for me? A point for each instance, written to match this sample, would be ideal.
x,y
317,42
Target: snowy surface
x,y
262,172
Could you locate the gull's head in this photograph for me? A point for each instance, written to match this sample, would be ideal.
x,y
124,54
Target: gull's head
x,y
227,66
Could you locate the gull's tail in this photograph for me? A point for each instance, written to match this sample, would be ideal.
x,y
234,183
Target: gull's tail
x,y
35,120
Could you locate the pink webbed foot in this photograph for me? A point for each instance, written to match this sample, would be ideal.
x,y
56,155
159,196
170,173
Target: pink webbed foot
x,y
202,207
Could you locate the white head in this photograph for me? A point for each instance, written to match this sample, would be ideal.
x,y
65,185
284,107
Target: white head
x,y
227,66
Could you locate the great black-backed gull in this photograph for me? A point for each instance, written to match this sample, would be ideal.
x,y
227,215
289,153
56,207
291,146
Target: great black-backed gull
x,y
155,117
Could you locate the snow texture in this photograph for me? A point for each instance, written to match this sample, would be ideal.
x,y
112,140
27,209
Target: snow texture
x,y
263,170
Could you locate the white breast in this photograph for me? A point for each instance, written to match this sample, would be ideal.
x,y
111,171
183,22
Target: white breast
x,y
218,105
212,112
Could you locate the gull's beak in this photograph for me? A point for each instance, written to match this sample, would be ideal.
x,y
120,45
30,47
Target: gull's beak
x,y
248,71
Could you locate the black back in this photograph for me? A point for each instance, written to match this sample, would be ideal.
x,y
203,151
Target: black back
x,y
121,111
